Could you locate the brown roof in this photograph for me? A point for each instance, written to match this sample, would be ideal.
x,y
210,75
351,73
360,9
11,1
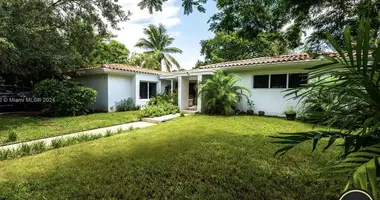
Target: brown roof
x,y
261,60
275,59
129,68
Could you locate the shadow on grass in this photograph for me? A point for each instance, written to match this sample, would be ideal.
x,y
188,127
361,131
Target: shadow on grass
x,y
188,166
13,121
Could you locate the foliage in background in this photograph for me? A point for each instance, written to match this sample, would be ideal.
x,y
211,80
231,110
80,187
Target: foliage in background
x,y
65,98
247,29
353,83
112,52
40,39
158,42
221,93
332,16
126,105
145,60
164,98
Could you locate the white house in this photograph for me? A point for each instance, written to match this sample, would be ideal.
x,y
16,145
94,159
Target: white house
x,y
266,77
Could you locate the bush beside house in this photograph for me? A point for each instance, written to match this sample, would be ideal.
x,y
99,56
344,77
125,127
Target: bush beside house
x,y
126,105
162,104
222,94
65,98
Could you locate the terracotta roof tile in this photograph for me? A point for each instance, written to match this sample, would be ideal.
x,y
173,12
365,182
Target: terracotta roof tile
x,y
261,60
129,68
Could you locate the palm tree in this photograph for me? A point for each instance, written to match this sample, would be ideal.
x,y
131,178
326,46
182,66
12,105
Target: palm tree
x,y
221,93
352,107
158,41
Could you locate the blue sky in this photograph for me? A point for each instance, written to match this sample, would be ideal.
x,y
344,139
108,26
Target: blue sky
x,y
188,31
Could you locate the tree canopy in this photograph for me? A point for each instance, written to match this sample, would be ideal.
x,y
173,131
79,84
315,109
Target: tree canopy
x,y
40,39
109,52
246,29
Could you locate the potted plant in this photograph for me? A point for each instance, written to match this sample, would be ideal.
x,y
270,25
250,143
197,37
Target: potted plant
x,y
290,113
250,110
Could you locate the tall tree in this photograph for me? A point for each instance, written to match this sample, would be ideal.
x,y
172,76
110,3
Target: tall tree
x,y
144,60
44,38
158,41
111,52
188,5
332,15
245,29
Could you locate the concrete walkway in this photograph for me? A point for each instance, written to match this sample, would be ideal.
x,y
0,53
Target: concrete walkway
x,y
101,131
159,120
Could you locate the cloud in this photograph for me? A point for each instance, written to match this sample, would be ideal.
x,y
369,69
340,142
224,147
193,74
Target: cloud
x,y
132,30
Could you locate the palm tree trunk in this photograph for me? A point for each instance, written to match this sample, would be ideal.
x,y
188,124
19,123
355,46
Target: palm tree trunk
x,y
163,65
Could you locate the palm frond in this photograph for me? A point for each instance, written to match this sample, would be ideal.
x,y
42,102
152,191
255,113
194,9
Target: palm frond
x,y
344,94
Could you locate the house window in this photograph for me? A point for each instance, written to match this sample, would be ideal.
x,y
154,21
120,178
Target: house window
x,y
296,80
261,81
278,81
148,90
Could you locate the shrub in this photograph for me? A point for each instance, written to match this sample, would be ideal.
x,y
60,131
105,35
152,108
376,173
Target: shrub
x,y
65,98
159,110
182,114
164,98
12,136
221,93
126,105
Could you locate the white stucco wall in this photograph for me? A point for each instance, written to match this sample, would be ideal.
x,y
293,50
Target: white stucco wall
x,y
146,78
164,83
269,100
100,84
119,87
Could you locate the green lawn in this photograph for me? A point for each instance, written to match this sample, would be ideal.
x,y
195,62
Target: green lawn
x,y
29,128
196,157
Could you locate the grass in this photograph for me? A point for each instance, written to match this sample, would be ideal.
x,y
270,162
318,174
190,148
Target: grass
x,y
197,157
30,127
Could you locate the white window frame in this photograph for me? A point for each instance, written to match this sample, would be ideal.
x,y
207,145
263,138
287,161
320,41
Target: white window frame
x,y
148,92
270,77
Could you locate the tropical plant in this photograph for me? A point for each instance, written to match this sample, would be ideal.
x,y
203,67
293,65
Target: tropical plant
x,y
126,105
250,104
159,42
353,79
221,93
290,110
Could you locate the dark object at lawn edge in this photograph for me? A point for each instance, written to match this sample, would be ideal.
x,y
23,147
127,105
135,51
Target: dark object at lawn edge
x,y
261,113
250,112
291,117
